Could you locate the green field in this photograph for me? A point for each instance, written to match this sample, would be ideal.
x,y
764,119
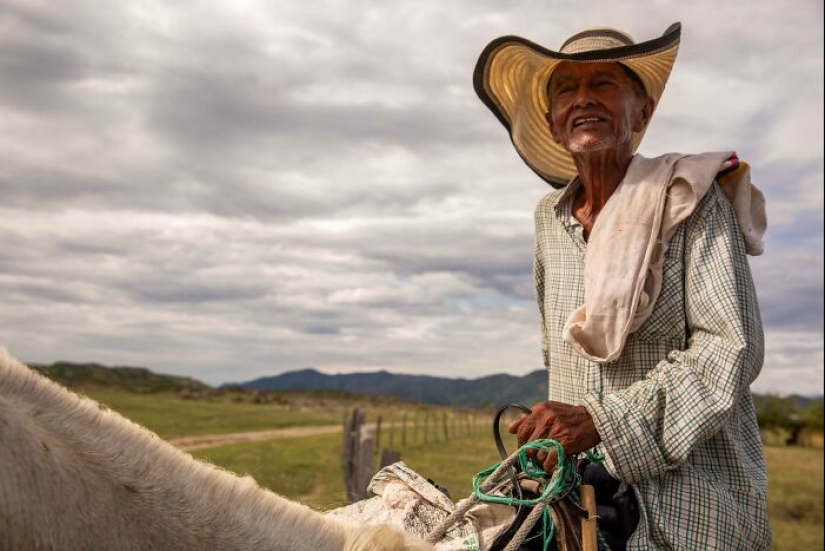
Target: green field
x,y
795,504
169,416
309,469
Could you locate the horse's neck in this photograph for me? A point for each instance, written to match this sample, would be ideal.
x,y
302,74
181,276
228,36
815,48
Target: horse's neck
x,y
73,472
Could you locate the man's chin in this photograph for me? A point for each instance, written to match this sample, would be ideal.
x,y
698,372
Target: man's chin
x,y
591,145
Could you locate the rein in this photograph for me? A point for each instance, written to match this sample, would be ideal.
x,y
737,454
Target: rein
x,y
553,488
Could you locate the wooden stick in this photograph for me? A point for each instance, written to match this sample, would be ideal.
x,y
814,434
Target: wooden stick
x,y
590,529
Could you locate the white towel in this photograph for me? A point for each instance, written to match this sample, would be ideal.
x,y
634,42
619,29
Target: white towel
x,y
625,252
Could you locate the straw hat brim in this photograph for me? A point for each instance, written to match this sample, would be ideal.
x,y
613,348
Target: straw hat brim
x,y
511,78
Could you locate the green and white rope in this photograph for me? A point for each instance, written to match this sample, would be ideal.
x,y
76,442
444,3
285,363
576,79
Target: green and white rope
x,y
556,486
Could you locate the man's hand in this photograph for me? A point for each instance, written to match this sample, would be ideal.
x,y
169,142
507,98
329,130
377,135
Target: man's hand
x,y
570,426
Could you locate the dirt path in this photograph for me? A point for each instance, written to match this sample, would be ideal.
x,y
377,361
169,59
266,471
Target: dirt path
x,y
190,443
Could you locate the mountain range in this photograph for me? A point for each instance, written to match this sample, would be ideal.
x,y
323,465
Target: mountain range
x,y
493,390
490,391
132,379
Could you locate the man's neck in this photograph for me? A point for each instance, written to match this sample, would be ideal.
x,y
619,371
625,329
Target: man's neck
x,y
600,175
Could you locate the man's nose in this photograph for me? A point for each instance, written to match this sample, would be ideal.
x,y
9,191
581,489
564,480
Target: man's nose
x,y
583,97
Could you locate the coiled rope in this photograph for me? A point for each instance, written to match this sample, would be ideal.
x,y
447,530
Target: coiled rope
x,y
555,487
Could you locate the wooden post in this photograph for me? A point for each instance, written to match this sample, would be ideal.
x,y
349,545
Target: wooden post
x,y
349,453
590,539
357,456
378,434
446,426
392,430
388,457
426,426
364,465
404,429
415,428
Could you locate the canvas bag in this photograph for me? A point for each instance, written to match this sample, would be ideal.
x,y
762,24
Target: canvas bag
x,y
406,500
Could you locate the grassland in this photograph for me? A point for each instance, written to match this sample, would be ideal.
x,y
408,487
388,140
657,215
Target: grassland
x,y
170,416
795,503
309,469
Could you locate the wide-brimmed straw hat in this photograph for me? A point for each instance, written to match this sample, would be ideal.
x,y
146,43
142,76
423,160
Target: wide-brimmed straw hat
x,y
511,78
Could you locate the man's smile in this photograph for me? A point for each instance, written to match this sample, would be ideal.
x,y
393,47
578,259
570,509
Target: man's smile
x,y
587,121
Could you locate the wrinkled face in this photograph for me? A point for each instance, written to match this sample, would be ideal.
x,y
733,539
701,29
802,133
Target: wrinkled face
x,y
595,106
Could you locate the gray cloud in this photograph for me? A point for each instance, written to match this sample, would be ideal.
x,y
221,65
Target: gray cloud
x,y
227,192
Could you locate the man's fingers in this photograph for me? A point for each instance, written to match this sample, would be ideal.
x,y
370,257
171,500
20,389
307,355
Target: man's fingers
x,y
534,429
549,461
513,427
525,430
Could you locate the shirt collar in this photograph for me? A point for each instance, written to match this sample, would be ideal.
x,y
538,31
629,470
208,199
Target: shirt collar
x,y
564,205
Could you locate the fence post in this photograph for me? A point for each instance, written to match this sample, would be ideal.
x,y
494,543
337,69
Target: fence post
x,y
357,456
349,453
378,434
415,429
404,430
388,457
446,431
364,465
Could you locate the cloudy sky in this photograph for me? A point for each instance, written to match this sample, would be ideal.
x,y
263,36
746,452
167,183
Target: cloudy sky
x,y
232,189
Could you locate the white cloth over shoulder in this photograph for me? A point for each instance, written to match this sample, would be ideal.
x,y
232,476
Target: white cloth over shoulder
x,y
626,249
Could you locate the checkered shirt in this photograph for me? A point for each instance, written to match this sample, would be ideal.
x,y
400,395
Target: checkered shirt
x,y
674,412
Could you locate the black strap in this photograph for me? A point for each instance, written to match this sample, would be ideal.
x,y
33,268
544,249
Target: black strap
x,y
502,451
521,511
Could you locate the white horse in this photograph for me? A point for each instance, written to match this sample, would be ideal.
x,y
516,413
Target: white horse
x,y
77,476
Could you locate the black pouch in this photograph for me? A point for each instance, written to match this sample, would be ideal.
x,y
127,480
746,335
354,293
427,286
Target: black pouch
x,y
616,505
627,508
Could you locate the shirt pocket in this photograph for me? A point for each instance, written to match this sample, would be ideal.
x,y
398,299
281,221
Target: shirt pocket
x,y
667,320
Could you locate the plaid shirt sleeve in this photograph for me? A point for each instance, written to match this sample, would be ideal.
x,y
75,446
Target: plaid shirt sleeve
x,y
653,425
538,275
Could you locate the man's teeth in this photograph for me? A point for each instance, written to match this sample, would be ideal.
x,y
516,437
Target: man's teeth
x,y
579,122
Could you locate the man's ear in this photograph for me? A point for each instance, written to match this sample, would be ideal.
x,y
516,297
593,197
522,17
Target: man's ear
x,y
645,113
549,118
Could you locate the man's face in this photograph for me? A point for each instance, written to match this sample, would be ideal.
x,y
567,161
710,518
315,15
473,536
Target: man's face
x,y
594,106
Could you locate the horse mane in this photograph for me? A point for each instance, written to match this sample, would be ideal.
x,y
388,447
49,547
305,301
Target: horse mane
x,y
77,475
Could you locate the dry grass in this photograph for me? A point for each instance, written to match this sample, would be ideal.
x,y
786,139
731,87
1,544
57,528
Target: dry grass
x,y
795,503
309,469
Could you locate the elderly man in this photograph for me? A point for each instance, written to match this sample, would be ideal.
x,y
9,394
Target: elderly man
x,y
650,324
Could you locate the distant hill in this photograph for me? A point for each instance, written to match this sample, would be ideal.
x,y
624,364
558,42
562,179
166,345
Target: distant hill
x,y
489,391
133,379
492,390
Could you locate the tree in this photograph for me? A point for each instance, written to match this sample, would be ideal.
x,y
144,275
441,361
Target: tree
x,y
775,412
813,415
